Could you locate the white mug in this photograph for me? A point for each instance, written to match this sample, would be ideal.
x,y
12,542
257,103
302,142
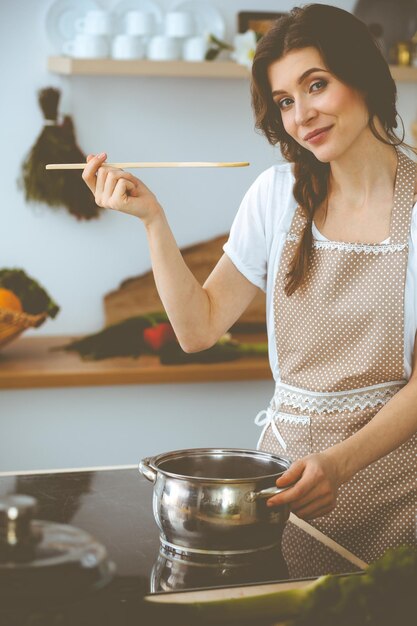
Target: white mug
x,y
95,22
194,48
140,23
162,48
127,47
87,47
179,24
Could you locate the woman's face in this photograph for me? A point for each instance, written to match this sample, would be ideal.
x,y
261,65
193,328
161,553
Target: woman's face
x,y
311,99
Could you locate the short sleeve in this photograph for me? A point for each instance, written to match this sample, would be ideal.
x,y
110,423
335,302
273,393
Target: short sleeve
x,y
247,246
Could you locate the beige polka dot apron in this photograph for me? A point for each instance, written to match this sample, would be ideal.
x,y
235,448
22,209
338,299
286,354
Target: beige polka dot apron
x,y
340,347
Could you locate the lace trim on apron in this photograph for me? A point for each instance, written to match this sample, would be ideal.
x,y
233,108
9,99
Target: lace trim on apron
x,y
351,400
380,248
316,402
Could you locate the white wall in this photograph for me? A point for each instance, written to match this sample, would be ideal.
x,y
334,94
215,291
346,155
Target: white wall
x,y
132,119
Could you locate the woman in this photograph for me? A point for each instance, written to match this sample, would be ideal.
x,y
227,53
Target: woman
x,y
332,238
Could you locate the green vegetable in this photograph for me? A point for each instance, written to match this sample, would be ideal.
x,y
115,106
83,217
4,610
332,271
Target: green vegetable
x,y
223,350
384,595
122,339
33,297
173,354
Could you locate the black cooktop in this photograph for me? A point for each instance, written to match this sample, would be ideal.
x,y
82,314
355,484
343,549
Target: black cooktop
x,y
115,506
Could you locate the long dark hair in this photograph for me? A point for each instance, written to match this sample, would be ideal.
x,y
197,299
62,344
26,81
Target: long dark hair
x,y
351,53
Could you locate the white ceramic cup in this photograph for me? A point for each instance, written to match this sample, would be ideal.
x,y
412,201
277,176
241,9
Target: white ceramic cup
x,y
87,47
194,48
140,23
95,22
179,24
162,48
127,47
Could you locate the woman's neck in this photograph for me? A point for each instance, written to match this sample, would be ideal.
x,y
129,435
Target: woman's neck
x,y
363,176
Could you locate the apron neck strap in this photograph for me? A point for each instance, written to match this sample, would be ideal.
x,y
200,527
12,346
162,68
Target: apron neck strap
x,y
403,199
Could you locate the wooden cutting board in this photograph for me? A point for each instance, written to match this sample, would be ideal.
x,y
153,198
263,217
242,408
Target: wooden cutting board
x,y
138,295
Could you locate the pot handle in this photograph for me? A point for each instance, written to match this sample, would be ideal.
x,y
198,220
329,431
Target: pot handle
x,y
146,470
264,494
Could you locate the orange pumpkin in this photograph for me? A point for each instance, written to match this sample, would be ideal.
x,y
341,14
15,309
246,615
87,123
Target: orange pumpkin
x,y
9,300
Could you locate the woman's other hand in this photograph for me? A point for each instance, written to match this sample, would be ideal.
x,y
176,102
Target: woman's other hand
x,y
315,485
118,190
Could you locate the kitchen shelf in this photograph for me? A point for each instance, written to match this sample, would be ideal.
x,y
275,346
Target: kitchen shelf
x,y
175,69
33,362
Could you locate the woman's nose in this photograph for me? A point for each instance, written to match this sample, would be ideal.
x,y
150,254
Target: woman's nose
x,y
304,112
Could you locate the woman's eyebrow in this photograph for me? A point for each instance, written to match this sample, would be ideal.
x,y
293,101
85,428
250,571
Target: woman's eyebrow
x,y
303,76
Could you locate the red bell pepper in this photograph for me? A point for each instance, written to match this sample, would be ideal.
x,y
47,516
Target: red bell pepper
x,y
158,336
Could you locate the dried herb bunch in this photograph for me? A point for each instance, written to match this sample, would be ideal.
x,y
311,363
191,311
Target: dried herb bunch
x,y
57,144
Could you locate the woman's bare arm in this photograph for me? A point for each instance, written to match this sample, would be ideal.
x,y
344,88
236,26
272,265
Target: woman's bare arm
x,y
199,314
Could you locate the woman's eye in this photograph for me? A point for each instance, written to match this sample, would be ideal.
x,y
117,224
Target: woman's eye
x,y
284,103
318,84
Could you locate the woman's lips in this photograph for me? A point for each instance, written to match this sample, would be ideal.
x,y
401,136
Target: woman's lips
x,y
319,136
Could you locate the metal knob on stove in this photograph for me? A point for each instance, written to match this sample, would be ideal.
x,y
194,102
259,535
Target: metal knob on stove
x,y
40,559
17,534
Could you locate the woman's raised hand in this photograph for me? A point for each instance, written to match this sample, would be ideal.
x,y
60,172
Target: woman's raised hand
x,y
315,482
119,190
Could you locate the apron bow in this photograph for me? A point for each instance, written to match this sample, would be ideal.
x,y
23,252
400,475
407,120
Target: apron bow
x,y
265,418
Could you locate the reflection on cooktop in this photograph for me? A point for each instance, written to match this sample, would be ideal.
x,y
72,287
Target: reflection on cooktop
x,y
173,572
115,506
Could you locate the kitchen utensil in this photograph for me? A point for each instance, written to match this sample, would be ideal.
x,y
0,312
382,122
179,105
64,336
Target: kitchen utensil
x,y
81,166
86,46
213,500
61,17
194,48
207,18
163,48
96,22
122,8
140,23
41,559
179,24
127,47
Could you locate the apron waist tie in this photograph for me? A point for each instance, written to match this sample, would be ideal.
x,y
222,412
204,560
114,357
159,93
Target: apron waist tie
x,y
265,418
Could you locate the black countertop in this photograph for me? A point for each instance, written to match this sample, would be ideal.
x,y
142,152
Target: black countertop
x,y
115,506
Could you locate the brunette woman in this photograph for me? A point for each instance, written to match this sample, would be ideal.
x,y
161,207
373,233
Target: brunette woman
x,y
331,236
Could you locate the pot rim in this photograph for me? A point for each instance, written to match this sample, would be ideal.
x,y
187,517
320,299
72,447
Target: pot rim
x,y
153,463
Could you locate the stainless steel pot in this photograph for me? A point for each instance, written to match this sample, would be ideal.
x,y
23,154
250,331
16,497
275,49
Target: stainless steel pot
x,y
213,501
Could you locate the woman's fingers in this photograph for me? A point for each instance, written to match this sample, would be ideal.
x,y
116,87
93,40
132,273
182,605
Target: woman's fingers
x,y
293,473
90,170
316,497
315,509
114,186
116,189
301,486
123,190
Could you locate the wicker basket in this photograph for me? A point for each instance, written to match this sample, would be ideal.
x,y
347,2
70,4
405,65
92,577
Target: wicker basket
x,y
13,323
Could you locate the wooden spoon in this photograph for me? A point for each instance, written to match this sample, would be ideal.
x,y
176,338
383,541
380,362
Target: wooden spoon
x,y
81,166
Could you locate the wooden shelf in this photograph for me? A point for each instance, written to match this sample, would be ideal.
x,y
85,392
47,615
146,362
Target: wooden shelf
x,y
175,69
404,74
30,363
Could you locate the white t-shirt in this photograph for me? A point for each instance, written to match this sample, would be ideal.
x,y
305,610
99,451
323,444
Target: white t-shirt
x,y
257,239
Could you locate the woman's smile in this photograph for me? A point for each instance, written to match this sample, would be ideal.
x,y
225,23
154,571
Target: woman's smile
x,y
317,136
